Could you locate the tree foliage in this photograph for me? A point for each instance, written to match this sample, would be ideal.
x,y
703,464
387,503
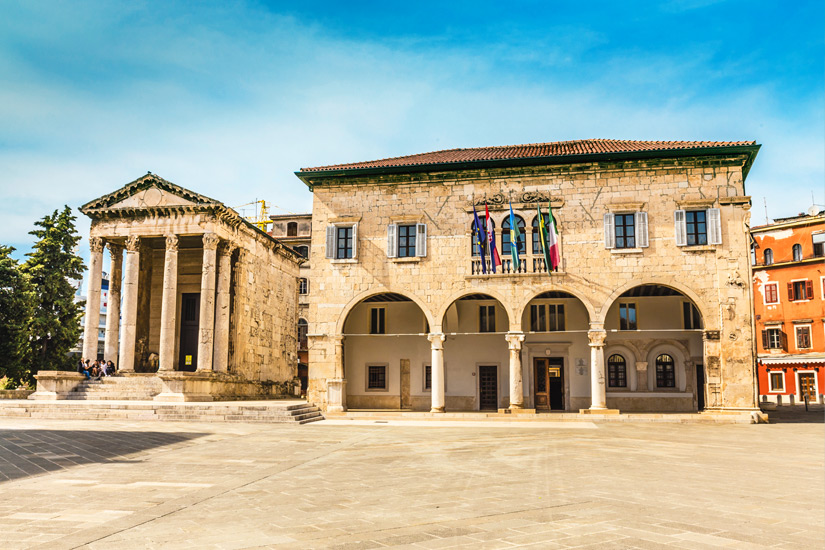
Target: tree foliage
x,y
55,321
16,301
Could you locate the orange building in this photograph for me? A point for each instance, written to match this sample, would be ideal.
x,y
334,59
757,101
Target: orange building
x,y
789,306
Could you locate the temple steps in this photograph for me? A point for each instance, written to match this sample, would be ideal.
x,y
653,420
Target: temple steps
x,y
117,388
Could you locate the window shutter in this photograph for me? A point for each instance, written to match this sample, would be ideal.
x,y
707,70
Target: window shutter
x,y
809,290
680,227
790,292
330,250
355,240
392,240
784,340
641,230
609,231
714,226
421,240
765,342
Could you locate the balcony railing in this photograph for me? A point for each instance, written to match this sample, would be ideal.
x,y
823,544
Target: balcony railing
x,y
508,267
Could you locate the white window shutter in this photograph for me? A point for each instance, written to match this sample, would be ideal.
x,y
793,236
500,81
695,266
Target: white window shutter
x,y
714,226
421,240
641,230
330,250
609,231
392,240
680,227
355,240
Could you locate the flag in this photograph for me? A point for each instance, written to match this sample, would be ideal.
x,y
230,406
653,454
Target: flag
x,y
514,235
543,239
480,239
495,259
552,238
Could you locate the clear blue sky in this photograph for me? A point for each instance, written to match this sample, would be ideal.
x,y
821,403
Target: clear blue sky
x,y
230,98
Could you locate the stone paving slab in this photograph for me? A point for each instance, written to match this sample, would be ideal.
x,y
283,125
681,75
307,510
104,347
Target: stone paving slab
x,y
132,484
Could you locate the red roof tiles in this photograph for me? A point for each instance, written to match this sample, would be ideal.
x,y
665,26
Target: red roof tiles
x,y
531,150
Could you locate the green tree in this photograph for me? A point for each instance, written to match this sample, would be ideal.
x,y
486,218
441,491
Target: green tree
x,y
16,300
55,323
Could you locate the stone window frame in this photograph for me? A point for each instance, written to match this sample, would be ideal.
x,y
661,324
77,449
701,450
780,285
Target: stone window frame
x,y
331,248
664,377
373,364
394,239
796,336
623,366
771,388
641,231
713,223
303,286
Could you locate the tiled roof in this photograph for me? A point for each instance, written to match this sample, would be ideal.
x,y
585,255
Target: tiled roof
x,y
529,151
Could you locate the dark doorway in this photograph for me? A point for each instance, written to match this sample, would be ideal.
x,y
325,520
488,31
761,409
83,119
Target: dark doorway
x,y
549,383
700,387
488,388
190,311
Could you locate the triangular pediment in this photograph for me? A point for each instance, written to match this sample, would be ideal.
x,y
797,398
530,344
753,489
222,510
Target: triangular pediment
x,y
150,191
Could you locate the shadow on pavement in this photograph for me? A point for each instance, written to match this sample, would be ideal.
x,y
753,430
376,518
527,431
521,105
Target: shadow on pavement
x,y
796,414
26,453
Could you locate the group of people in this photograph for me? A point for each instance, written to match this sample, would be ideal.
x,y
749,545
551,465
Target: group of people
x,y
97,369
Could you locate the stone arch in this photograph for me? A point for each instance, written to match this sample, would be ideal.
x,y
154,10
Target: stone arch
x,y
681,356
591,312
442,310
700,304
339,325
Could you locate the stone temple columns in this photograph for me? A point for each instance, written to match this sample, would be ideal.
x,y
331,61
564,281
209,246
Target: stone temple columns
x,y
514,340
598,398
437,371
130,301
169,304
113,305
207,315
337,387
221,358
90,331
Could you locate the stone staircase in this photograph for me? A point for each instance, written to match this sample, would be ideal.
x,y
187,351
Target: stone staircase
x,y
118,388
274,412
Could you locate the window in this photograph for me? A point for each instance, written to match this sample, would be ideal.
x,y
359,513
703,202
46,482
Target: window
x,y
772,293
303,286
803,337
292,229
777,381
797,252
625,230
505,236
377,377
819,244
773,338
616,371
342,241
665,372
800,290
377,317
547,317
428,377
627,316
536,236
768,256
302,334
303,251
406,241
487,318
698,227
690,316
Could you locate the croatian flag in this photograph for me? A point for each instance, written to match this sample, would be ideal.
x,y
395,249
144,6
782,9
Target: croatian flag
x,y
495,259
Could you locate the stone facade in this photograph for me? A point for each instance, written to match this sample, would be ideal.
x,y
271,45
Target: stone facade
x,y
209,300
432,354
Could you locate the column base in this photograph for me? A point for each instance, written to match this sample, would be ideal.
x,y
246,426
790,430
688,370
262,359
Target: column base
x,y
599,411
437,410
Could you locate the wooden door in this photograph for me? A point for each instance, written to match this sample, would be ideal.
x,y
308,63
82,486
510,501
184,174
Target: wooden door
x,y
190,311
807,384
542,395
488,387
700,387
549,383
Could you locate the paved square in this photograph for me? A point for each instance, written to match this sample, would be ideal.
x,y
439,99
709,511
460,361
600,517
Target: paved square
x,y
95,484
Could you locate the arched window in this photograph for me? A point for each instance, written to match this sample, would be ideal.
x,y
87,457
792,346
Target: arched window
x,y
505,236
292,229
665,372
616,371
302,334
768,256
536,239
473,243
303,251
797,252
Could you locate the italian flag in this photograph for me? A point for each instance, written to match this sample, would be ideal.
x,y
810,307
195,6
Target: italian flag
x,y
552,239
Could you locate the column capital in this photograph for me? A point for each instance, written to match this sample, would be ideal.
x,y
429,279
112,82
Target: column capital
x,y
436,339
210,241
597,338
227,248
115,249
96,244
172,242
514,340
133,243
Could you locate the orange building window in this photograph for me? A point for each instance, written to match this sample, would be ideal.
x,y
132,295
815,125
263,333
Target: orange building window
x,y
772,294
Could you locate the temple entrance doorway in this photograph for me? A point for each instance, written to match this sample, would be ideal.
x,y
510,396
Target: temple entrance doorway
x,y
190,308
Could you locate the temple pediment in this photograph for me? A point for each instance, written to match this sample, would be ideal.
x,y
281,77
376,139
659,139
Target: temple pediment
x,y
147,192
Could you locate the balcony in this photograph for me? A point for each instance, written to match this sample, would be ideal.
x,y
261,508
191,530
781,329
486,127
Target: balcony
x,y
526,266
